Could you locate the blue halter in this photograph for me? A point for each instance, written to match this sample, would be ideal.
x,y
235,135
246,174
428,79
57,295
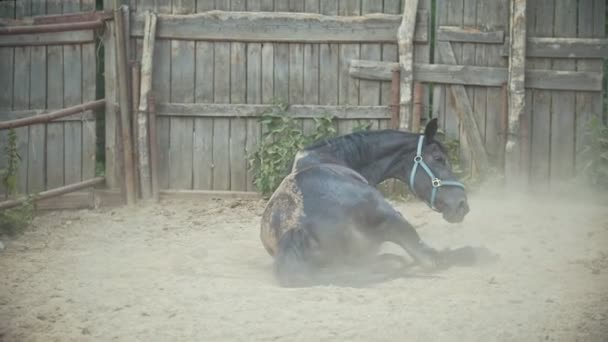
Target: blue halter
x,y
436,182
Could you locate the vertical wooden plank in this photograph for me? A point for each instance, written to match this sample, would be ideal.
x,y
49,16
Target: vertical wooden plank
x,y
370,90
202,163
296,73
89,90
267,72
563,102
439,91
498,15
203,127
89,82
479,98
328,69
311,74
541,102
591,24
37,83
454,17
254,96
21,95
7,10
21,92
162,89
281,72
72,91
389,51
182,91
238,126
348,87
221,126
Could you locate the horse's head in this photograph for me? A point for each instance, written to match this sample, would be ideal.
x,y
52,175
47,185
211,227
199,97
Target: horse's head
x,y
430,177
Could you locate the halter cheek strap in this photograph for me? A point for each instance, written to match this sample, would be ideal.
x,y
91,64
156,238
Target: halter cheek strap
x,y
436,182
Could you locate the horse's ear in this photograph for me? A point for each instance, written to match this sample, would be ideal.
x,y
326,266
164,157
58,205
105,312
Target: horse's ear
x,y
430,130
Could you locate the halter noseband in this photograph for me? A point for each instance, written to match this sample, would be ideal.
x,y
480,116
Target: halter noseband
x,y
436,182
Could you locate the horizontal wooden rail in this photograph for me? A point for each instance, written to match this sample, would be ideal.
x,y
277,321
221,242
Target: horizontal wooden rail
x,y
482,76
563,47
469,35
44,118
53,193
281,27
59,18
26,113
48,38
46,28
254,110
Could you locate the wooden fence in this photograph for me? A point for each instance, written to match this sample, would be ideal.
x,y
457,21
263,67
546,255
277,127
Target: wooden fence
x,y
41,72
219,64
215,72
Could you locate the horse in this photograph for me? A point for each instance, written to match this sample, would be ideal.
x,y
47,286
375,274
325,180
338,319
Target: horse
x,y
327,215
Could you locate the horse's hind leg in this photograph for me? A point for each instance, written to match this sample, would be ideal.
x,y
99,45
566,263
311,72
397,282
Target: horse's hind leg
x,y
294,258
299,263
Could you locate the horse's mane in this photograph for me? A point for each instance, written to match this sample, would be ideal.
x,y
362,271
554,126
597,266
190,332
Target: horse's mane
x,y
348,141
356,138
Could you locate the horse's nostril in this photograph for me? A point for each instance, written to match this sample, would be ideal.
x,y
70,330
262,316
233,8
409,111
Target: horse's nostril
x,y
463,206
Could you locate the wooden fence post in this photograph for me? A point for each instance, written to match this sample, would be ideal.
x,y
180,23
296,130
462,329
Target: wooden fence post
x,y
142,114
516,89
123,97
405,41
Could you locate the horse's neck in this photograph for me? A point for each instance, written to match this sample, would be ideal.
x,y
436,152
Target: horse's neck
x,y
374,158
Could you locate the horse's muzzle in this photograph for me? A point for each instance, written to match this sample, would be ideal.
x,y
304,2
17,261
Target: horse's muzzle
x,y
457,212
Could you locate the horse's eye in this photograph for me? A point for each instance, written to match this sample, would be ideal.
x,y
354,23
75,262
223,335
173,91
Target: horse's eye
x,y
439,159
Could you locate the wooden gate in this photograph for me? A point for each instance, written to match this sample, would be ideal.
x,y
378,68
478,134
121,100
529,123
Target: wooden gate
x,y
563,79
48,76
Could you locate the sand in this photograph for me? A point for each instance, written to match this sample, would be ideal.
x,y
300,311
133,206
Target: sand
x,y
196,271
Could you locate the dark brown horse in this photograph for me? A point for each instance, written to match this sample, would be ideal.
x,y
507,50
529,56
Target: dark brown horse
x,y
327,218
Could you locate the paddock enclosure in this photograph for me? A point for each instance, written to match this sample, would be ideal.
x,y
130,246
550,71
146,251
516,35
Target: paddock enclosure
x,y
218,65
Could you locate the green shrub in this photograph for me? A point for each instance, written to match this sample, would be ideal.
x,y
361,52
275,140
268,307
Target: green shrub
x,y
14,220
595,154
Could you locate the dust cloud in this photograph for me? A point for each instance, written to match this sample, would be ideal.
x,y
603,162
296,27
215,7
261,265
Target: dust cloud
x,y
184,271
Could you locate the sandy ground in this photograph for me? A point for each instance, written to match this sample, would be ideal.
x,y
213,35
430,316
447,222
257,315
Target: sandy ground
x,y
196,271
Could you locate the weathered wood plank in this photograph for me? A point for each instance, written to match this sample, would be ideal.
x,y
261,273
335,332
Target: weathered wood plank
x,y
348,87
541,102
454,17
47,38
221,154
562,47
479,99
563,103
254,73
221,126
7,9
469,35
479,75
112,165
296,73
226,111
267,72
237,154
203,154
21,99
405,43
369,91
389,51
281,72
36,146
281,27
182,90
498,15
89,92
516,89
465,113
587,104
311,74
72,75
328,74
